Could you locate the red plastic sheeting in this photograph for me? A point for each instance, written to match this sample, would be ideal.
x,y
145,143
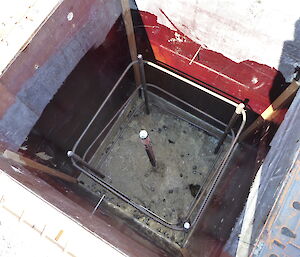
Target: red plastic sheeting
x,y
247,79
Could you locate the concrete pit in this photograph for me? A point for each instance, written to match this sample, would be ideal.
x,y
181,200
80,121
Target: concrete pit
x,y
184,156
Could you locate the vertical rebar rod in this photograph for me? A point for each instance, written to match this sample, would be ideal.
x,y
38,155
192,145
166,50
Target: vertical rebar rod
x,y
148,146
230,125
144,85
98,204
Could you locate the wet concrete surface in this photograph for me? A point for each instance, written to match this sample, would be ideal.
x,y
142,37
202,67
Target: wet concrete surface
x,y
185,159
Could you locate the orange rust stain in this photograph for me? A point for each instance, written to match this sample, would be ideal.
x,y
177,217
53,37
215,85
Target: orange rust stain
x,y
159,55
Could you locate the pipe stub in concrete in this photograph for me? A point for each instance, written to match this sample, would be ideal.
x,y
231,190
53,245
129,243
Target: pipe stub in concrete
x,y
143,134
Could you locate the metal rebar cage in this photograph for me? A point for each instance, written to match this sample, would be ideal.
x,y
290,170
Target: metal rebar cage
x,y
200,201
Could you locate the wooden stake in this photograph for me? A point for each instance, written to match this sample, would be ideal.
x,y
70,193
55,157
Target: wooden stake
x,y
272,111
37,166
131,38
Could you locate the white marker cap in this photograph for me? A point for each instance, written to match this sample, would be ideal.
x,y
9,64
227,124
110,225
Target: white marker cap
x,y
143,134
239,108
186,225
